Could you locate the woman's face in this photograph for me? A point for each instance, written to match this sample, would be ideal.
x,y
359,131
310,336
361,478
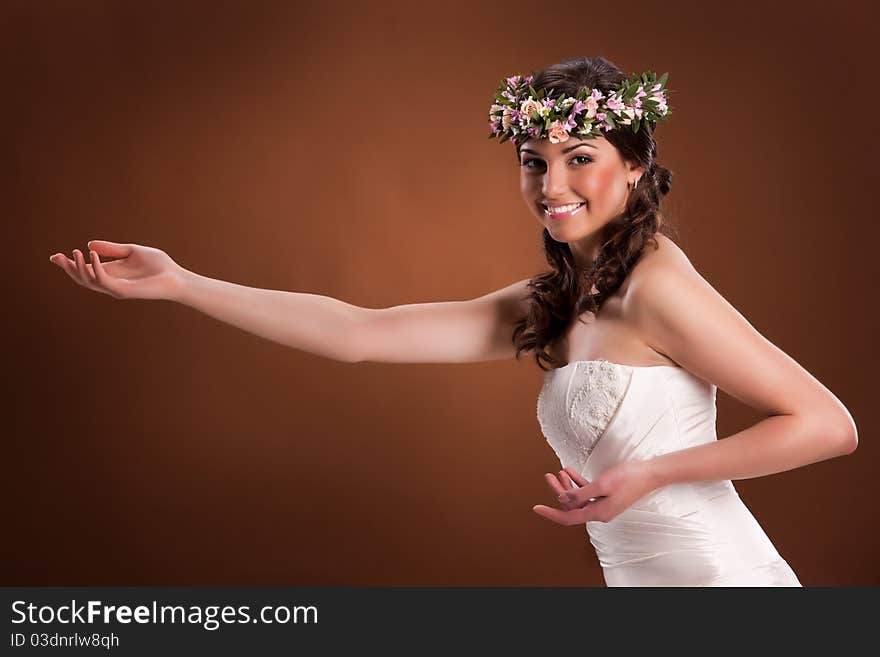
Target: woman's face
x,y
589,173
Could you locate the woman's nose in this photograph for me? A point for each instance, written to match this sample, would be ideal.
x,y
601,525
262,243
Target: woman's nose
x,y
555,183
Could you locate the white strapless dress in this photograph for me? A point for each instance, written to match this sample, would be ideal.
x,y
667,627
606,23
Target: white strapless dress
x,y
595,414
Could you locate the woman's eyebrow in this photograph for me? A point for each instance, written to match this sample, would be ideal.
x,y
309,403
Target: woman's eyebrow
x,y
564,150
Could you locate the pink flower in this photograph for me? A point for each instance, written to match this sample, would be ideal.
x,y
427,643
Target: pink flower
x,y
546,106
558,132
593,103
528,106
660,99
510,115
614,104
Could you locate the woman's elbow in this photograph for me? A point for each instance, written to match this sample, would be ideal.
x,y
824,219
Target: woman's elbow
x,y
851,441
846,435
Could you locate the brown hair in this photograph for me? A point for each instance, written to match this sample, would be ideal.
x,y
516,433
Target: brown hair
x,y
564,293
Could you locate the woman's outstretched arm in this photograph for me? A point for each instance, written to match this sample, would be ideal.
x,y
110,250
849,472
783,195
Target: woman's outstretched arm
x,y
440,332
318,324
452,331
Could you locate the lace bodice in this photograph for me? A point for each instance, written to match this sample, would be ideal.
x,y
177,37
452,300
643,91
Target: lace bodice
x,y
575,410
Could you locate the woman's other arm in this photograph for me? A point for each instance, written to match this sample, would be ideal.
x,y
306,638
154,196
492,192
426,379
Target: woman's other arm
x,y
685,318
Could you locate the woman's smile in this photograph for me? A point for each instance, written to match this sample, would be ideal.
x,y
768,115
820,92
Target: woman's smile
x,y
564,211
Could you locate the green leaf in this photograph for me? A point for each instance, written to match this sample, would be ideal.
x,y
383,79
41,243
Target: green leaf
x,y
663,78
636,125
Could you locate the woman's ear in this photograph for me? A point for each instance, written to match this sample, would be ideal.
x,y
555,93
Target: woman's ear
x,y
635,170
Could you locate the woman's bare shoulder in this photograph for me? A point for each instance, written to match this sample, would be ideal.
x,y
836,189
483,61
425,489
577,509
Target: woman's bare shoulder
x,y
656,263
666,255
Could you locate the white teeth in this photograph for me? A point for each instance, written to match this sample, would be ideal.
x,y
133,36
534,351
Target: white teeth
x,y
562,209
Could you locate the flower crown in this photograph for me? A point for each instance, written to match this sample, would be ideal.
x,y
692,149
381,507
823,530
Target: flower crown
x,y
521,112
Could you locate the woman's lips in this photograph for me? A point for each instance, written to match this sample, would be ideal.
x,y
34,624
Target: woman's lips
x,y
564,215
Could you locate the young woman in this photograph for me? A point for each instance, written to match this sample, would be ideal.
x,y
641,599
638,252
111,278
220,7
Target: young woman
x,y
637,342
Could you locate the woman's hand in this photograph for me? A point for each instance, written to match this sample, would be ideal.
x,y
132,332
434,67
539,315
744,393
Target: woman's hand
x,y
601,500
141,272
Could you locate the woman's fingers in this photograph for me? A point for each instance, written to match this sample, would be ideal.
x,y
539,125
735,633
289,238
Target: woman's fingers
x,y
572,490
558,490
573,517
557,516
77,269
578,495
93,276
574,474
86,276
582,500
68,265
585,495
110,249
567,483
105,282
553,482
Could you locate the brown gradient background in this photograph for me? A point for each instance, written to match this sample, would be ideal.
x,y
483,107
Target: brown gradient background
x,y
342,150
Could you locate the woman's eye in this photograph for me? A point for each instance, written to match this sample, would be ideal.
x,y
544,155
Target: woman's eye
x,y
581,159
